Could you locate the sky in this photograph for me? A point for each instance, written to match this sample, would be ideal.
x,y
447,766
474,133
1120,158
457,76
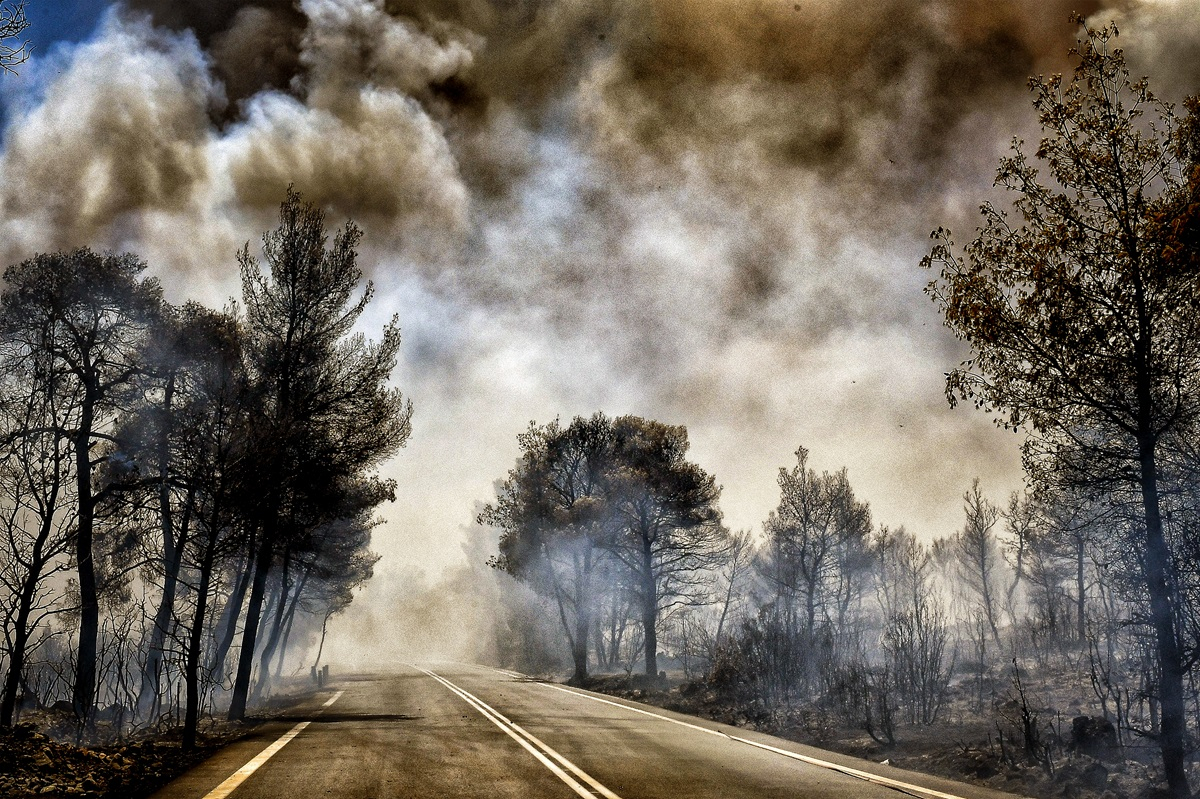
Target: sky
x,y
708,212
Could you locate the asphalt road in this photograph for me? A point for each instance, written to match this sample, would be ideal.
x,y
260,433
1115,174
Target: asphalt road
x,y
452,730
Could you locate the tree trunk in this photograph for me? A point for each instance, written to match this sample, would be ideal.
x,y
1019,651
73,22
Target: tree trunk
x,y
283,644
268,652
229,619
21,631
579,653
989,607
172,560
241,685
16,664
83,694
649,608
603,660
191,668
583,621
1173,732
321,645
287,622
172,563
1080,590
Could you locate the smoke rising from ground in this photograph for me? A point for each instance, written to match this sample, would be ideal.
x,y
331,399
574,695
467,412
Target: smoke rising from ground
x,y
704,211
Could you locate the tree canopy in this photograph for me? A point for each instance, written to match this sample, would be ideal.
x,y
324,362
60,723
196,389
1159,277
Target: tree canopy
x,y
1083,313
612,498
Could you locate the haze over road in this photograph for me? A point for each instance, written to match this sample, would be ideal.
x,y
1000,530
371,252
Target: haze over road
x,y
454,730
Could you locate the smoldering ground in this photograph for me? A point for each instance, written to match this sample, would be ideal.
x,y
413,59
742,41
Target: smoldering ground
x,y
707,211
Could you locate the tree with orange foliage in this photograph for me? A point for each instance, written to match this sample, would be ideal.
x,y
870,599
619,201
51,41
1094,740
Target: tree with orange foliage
x,y
1083,319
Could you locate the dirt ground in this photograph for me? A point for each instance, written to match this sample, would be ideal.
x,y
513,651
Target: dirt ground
x,y
39,758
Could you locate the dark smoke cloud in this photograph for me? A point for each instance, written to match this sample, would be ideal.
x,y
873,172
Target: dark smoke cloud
x,y
707,211
255,45
812,84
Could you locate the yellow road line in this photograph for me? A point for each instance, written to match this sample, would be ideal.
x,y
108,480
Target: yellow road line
x,y
238,777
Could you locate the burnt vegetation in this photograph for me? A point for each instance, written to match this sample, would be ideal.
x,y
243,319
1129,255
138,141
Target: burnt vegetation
x,y
188,494
1054,635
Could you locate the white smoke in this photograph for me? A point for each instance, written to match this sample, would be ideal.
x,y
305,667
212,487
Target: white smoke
x,y
704,211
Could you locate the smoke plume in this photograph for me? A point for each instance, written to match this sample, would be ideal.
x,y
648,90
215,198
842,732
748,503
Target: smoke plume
x,y
704,211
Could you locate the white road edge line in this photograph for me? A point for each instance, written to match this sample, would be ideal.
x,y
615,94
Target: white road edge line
x,y
238,777
906,787
525,739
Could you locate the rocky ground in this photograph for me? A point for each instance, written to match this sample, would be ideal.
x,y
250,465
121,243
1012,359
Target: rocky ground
x,y
39,759
33,764
972,745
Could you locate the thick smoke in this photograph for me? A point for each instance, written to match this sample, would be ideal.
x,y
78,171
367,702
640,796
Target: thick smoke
x,y
704,211
122,133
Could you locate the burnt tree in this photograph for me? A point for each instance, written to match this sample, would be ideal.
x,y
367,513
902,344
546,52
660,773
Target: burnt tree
x,y
1083,317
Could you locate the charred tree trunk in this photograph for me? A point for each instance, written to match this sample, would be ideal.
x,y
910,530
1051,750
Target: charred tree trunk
x,y
28,593
21,631
172,560
191,668
1080,590
583,618
283,610
649,591
579,646
288,620
230,615
283,643
83,694
603,658
241,685
264,667
1173,731
321,645
16,664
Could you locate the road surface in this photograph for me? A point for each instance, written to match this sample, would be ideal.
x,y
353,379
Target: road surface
x,y
451,730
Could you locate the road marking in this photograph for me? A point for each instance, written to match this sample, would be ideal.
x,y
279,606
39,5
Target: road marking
x,y
529,741
905,787
639,710
238,777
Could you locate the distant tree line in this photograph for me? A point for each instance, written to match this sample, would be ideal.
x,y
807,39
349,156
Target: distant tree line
x,y
1081,311
184,491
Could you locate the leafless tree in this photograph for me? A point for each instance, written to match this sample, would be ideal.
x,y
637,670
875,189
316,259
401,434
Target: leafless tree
x,y
13,51
916,633
37,511
976,552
